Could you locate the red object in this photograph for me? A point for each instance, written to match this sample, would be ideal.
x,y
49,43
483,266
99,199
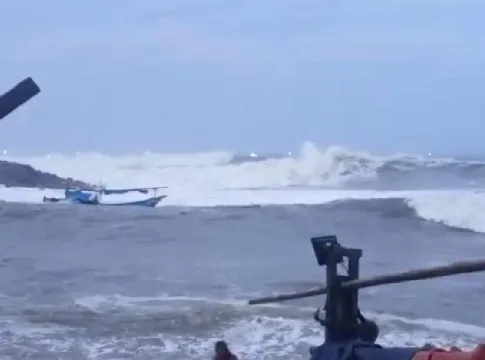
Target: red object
x,y
453,354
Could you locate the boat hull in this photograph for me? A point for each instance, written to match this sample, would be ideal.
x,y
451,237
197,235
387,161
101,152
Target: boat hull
x,y
151,202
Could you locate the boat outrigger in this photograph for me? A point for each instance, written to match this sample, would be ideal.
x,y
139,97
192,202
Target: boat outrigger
x,y
348,334
94,196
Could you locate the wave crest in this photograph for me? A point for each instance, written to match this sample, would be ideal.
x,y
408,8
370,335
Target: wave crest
x,y
311,166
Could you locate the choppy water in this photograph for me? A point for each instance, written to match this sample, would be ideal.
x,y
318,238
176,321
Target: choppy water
x,y
164,283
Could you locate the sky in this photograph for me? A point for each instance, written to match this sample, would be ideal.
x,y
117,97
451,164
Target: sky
x,y
122,76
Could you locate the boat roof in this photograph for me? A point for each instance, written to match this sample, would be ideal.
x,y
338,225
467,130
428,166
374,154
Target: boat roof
x,y
120,190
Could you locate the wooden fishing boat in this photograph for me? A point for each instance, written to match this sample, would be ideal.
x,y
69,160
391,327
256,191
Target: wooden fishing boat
x,y
95,197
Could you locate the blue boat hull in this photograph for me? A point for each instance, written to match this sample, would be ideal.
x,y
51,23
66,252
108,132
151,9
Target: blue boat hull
x,y
151,202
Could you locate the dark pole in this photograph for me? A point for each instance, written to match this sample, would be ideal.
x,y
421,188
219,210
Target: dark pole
x,y
464,267
17,96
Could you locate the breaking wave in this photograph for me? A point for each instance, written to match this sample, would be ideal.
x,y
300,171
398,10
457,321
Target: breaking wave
x,y
168,326
449,209
439,189
310,166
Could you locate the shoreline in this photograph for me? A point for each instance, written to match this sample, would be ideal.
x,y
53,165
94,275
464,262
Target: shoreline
x,y
14,174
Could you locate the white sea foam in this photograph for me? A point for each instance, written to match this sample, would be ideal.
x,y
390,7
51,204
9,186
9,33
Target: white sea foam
x,y
253,336
277,337
311,166
461,209
213,179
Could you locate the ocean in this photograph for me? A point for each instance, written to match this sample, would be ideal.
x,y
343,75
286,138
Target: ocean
x,y
166,283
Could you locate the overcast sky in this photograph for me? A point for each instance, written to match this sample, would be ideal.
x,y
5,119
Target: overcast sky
x,y
253,75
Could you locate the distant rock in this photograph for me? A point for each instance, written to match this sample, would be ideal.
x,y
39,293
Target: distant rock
x,y
20,175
